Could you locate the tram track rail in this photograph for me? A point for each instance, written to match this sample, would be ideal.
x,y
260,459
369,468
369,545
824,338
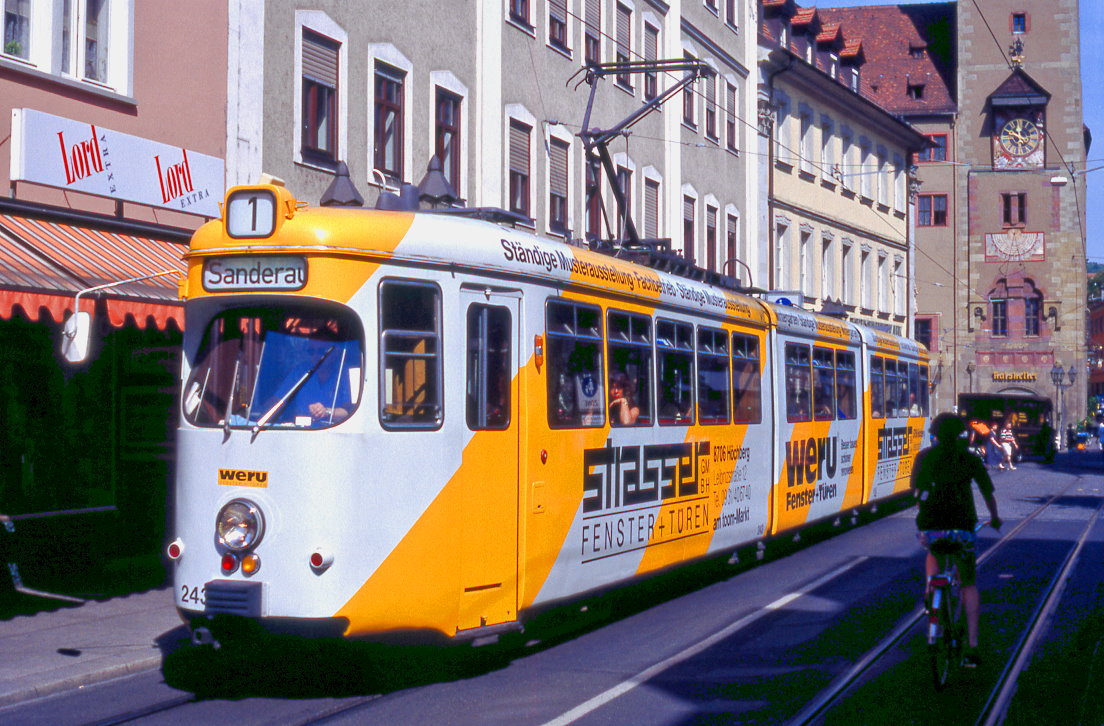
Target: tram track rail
x,y
1002,692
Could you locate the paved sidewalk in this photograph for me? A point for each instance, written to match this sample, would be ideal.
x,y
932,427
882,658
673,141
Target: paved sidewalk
x,y
54,650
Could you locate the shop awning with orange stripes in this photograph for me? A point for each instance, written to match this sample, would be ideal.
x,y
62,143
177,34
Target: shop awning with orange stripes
x,y
45,263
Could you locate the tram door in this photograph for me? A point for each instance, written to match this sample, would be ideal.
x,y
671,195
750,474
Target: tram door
x,y
489,520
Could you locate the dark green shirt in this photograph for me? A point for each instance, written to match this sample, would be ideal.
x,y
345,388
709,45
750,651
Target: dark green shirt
x,y
941,481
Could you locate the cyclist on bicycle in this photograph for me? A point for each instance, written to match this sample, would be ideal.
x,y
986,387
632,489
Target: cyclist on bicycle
x,y
941,481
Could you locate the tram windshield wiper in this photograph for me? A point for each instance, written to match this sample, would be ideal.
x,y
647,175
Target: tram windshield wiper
x,y
230,398
267,416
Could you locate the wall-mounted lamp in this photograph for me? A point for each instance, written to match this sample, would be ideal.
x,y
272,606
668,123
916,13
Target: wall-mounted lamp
x,y
1052,313
978,318
1059,181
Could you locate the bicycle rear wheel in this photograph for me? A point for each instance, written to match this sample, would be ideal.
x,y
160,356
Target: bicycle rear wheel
x,y
942,650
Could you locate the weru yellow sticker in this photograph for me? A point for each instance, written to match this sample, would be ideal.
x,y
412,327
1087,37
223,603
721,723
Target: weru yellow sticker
x,y
242,478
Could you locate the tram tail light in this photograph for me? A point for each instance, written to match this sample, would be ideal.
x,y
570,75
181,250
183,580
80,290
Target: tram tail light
x,y
229,563
538,351
320,560
175,549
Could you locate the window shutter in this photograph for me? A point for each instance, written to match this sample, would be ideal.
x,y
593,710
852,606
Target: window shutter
x,y
558,168
519,147
320,58
624,18
688,209
594,17
651,209
558,10
651,43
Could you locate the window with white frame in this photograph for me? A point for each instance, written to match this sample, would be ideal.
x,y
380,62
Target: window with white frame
x,y
846,273
592,31
557,25
321,63
711,237
847,168
899,182
734,253
446,135
689,101
710,83
805,141
866,167
320,102
389,120
883,287
86,40
827,146
896,286
651,208
805,262
623,45
520,173
731,140
651,53
558,186
782,142
827,267
781,254
882,175
866,281
689,228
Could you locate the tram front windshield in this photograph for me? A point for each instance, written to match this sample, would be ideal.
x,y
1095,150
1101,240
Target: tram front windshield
x,y
264,368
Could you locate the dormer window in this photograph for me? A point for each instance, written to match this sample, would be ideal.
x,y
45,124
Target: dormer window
x,y
916,51
915,91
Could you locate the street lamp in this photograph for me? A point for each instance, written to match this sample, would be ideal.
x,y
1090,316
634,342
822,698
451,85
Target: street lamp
x,y
1056,375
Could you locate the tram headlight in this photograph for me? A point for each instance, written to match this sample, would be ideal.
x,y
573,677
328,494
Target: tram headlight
x,y
240,525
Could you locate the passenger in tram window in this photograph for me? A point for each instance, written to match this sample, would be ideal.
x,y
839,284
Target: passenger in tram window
x,y
845,407
914,407
623,410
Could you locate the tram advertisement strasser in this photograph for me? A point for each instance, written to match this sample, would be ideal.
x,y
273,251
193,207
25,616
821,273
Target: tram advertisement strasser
x,y
636,496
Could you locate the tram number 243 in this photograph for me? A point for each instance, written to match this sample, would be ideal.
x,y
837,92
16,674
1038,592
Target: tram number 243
x,y
195,595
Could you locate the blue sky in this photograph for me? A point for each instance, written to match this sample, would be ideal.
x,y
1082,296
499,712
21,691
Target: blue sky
x,y
1092,89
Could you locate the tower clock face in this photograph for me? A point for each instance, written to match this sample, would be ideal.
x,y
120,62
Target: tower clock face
x,y
1019,136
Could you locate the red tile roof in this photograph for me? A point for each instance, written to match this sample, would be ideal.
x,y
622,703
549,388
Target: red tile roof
x,y
887,34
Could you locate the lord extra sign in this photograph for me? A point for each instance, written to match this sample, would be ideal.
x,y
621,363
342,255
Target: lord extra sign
x,y
67,154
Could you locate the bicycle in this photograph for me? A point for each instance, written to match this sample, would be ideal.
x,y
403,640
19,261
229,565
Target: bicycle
x,y
946,619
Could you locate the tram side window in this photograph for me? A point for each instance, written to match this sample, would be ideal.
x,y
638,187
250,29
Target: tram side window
x,y
845,385
824,385
410,355
798,382
675,357
574,365
924,403
746,379
488,367
914,390
713,384
893,401
630,366
877,387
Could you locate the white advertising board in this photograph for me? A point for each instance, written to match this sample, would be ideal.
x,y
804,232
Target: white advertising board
x,y
67,154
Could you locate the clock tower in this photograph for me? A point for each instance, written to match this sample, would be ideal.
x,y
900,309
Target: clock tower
x,y
1017,110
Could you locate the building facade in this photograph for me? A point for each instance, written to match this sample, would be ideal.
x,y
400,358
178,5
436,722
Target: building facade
x,y
1000,215
112,136
497,95
838,196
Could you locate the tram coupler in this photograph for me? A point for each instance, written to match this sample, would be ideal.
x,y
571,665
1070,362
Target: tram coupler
x,y
202,635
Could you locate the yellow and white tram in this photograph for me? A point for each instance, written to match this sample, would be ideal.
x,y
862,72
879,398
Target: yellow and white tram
x,y
398,421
